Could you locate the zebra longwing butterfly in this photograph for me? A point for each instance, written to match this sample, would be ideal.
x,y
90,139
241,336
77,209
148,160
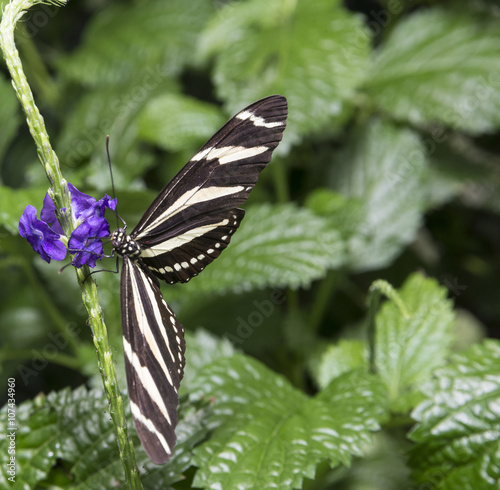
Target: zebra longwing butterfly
x,y
185,228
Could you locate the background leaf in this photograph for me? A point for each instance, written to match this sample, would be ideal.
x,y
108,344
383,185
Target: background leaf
x,y
440,66
9,115
73,427
12,205
164,43
269,432
409,349
268,56
345,356
458,428
276,246
381,172
175,122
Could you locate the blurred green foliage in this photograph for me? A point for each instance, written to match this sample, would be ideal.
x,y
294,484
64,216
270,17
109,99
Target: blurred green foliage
x,y
389,169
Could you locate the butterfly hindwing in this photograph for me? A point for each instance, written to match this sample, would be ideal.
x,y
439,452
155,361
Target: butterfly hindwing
x,y
197,212
153,341
195,249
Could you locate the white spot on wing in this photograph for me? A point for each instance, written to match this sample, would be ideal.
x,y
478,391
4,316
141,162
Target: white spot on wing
x,y
257,120
201,155
236,153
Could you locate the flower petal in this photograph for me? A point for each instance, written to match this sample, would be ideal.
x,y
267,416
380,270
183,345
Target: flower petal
x,y
40,236
82,205
85,242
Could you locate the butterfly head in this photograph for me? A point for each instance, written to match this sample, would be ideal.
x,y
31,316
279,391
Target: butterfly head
x,y
124,244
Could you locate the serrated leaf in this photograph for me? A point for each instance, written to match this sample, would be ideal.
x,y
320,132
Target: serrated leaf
x,y
337,359
74,427
409,349
458,430
175,121
276,246
380,172
440,66
270,435
34,454
125,40
268,55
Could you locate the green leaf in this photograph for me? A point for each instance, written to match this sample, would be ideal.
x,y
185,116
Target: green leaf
x,y
108,110
440,66
380,173
409,349
337,359
458,430
9,115
13,202
270,435
34,448
383,466
269,55
276,246
175,121
138,40
202,348
73,426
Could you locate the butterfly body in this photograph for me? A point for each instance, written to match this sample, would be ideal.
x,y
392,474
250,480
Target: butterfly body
x,y
125,245
186,227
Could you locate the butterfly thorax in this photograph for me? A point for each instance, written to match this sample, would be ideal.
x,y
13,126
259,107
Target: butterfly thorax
x,y
124,244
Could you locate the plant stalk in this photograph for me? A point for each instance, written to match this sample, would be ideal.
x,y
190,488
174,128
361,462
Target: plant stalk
x,y
60,195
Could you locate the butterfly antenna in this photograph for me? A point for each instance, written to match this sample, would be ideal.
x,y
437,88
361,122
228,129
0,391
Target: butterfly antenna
x,y
112,180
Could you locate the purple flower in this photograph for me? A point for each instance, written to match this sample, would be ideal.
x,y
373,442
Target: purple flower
x,y
40,236
82,243
46,236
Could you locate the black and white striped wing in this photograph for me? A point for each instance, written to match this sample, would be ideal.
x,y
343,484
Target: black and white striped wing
x,y
153,341
194,216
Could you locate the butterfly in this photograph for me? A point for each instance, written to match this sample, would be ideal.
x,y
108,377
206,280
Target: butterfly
x,y
186,227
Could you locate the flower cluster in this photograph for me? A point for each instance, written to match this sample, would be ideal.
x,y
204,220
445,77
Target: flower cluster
x,y
47,238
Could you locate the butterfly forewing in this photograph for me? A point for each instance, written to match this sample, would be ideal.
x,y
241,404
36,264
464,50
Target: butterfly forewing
x,y
197,212
153,341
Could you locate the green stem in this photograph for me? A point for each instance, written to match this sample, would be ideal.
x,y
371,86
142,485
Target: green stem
x,y
60,195
322,299
280,180
57,358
